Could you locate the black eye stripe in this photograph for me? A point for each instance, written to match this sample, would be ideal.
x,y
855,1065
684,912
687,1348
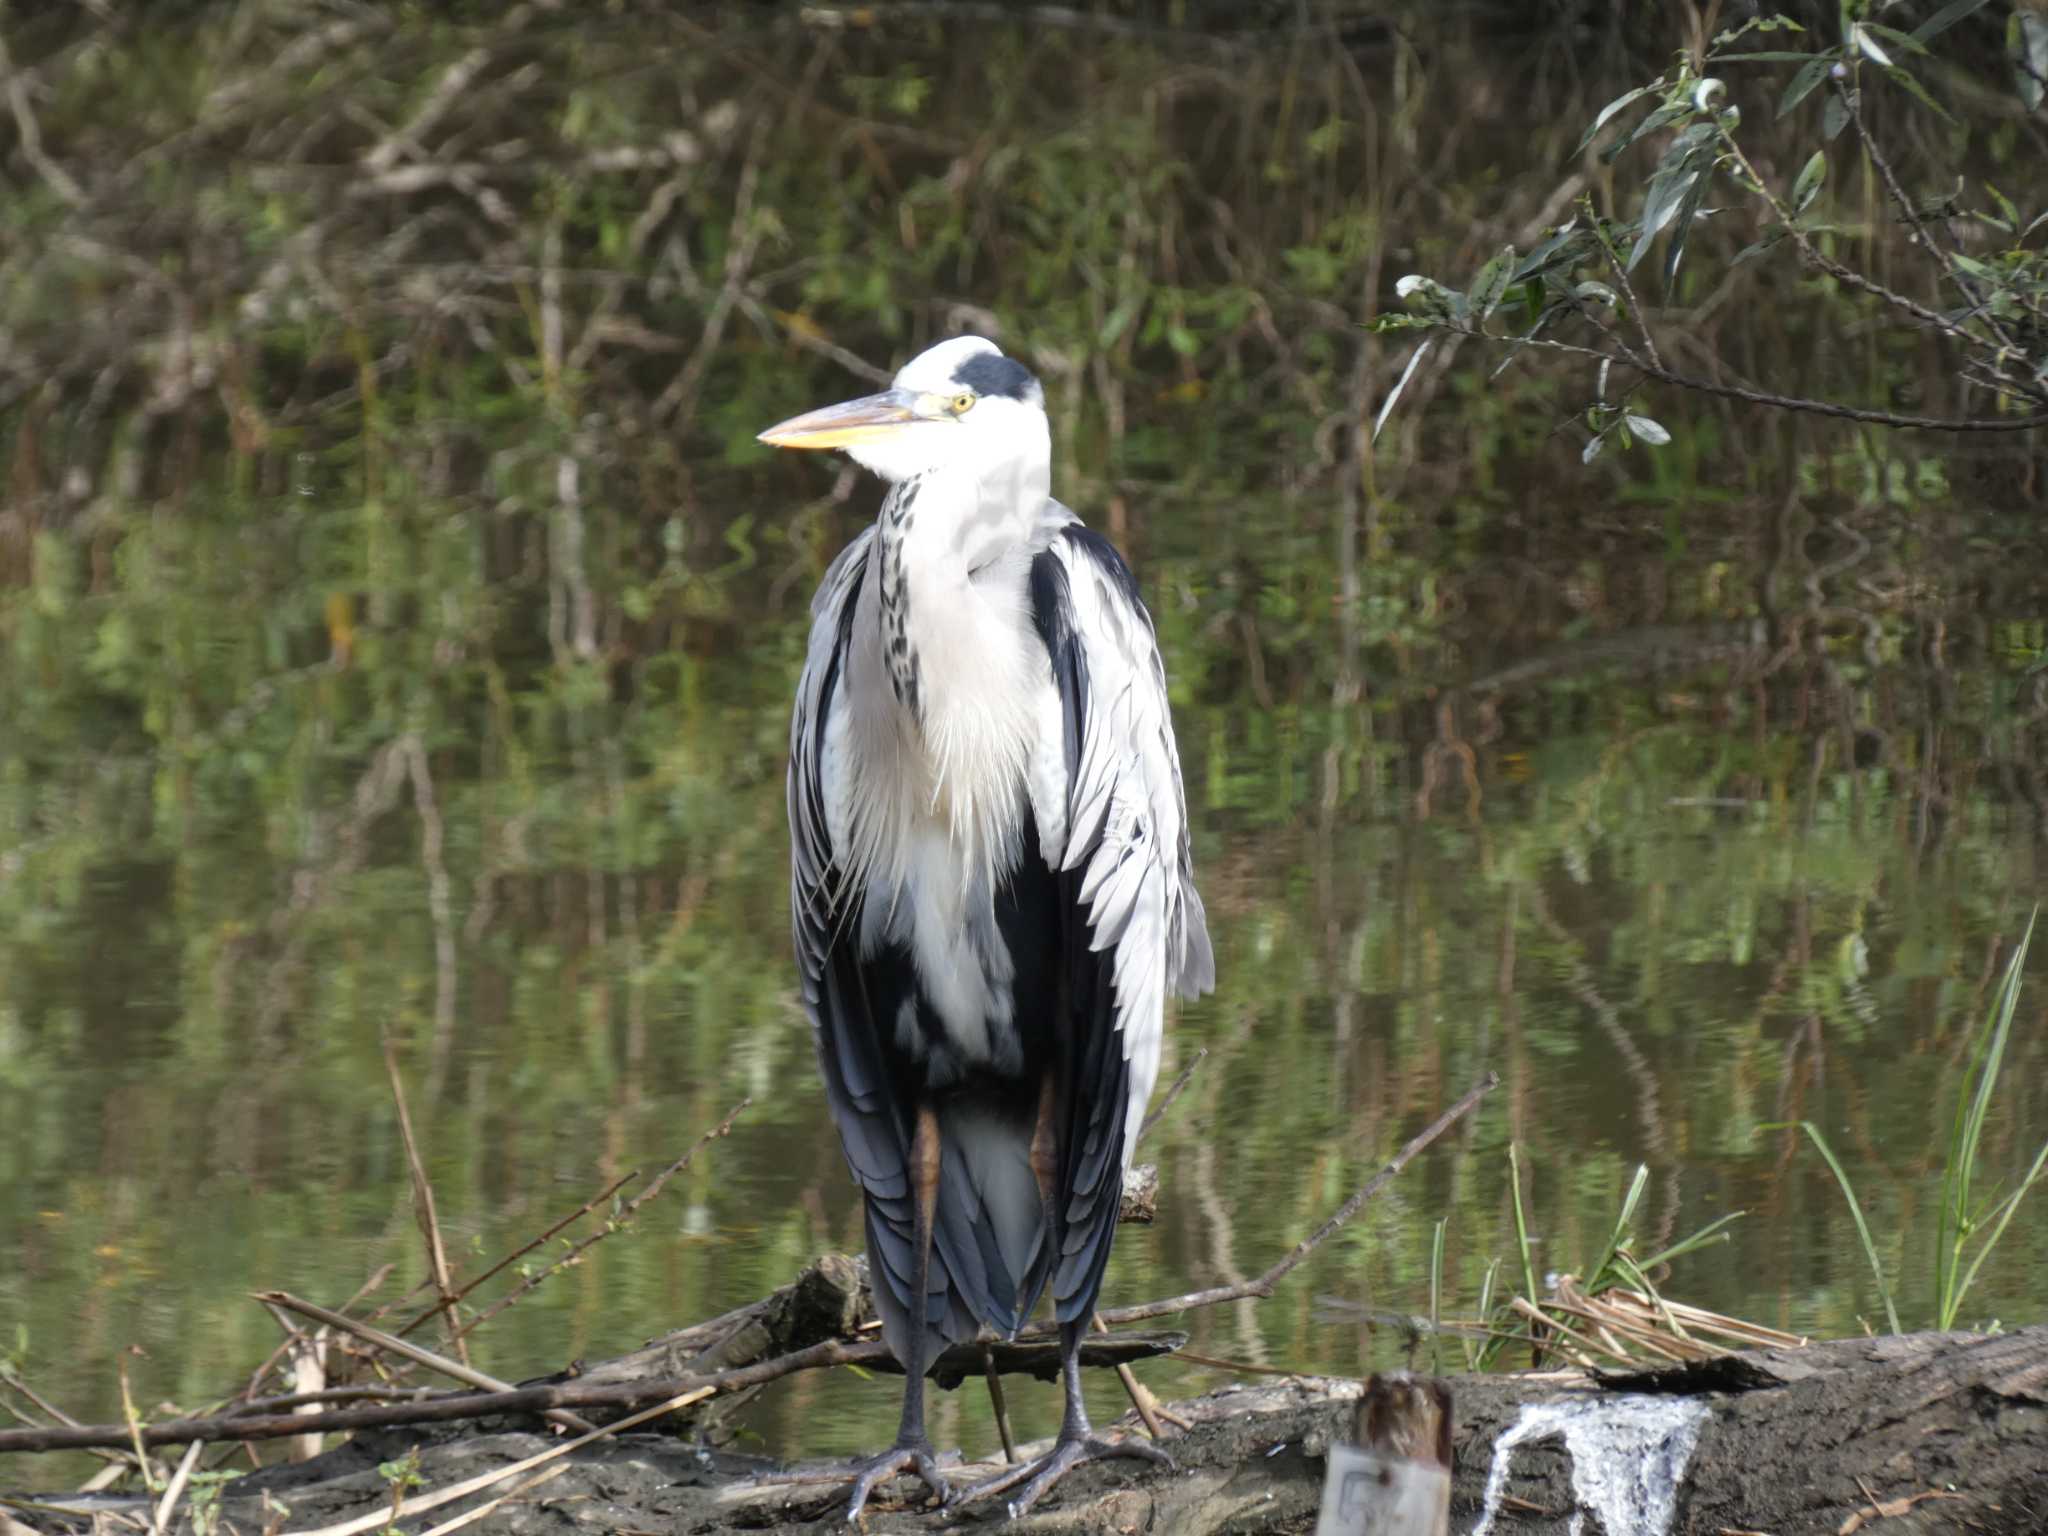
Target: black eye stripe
x,y
990,373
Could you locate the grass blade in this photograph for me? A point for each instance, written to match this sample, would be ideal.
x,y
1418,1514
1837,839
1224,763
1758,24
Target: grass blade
x,y
1521,1223
1616,1239
1710,1233
1999,1217
1966,1136
1813,1134
1436,1291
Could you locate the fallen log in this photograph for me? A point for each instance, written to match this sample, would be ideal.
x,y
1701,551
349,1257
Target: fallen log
x,y
1924,1432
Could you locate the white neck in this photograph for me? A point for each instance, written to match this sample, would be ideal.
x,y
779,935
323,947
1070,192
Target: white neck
x,y
950,647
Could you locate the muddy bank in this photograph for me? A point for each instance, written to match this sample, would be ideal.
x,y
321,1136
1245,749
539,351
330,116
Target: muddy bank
x,y
1923,1433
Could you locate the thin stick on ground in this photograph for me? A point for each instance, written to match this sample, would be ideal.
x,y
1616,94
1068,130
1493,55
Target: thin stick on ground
x,y
392,1342
1140,1395
462,1490
293,1335
470,1517
527,1247
1262,1285
1001,1404
423,1206
831,1352
623,1220
160,1519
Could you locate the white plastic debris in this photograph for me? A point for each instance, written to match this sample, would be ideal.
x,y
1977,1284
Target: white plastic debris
x,y
1628,1457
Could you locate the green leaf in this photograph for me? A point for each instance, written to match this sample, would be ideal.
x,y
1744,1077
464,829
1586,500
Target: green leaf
x,y
1665,115
1600,291
1491,283
1946,17
1668,189
1904,41
2010,214
1834,117
1770,238
1904,80
1648,430
2026,44
1770,57
1613,107
1811,74
1811,177
1559,250
1681,227
1592,449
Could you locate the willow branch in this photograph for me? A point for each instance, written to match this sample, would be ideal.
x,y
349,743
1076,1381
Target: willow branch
x,y
1629,359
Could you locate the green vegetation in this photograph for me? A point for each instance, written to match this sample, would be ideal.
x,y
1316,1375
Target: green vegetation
x,y
397,624
1961,1220
1992,301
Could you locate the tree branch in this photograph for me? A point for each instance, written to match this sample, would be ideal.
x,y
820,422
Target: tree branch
x,y
1628,359
1097,1350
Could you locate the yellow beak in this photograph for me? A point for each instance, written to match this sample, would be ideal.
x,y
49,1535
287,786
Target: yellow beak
x,y
855,421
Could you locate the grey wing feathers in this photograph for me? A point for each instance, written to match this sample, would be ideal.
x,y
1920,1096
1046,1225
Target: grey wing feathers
x,y
837,994
1112,821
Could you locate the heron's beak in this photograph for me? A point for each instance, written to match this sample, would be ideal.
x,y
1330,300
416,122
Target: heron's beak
x,y
841,426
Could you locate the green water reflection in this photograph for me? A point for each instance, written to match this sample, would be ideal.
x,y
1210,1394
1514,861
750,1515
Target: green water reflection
x,y
1691,792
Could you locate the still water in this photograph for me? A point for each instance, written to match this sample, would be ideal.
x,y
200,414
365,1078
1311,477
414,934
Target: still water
x,y
1691,791
1605,829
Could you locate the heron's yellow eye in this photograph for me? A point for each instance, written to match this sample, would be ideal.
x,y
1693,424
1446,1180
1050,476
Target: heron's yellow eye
x,y
960,405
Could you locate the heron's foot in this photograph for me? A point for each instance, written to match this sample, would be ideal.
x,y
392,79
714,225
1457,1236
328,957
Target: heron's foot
x,y
1039,1476
870,1472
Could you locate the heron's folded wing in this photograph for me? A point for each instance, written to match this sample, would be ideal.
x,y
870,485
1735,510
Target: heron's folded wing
x,y
838,996
1112,821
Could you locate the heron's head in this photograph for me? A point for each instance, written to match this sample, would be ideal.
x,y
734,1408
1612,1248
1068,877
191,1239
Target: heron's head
x,y
959,405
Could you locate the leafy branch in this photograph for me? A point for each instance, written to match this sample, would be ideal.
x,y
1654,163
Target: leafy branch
x,y
1581,276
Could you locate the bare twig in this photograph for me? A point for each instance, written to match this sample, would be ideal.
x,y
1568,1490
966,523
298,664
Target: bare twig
x,y
743,239
456,1370
1904,204
527,1247
994,1378
423,1205
1262,1285
624,1218
30,136
427,806
477,1484
1166,1099
1140,1395
686,1389
470,1517
160,1517
1764,397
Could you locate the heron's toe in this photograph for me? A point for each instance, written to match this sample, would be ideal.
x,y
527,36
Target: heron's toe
x,y
1038,1477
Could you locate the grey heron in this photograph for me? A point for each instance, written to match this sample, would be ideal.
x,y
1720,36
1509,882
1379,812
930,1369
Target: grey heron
x,y
991,886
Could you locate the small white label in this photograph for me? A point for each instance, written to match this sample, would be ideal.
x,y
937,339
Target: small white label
x,y
1366,1494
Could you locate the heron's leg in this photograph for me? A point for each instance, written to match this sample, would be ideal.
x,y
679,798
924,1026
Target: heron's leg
x,y
1077,1443
912,1452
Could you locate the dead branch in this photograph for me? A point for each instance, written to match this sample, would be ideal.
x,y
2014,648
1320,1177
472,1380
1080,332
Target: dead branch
x,y
1030,1351
1262,1285
616,1224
